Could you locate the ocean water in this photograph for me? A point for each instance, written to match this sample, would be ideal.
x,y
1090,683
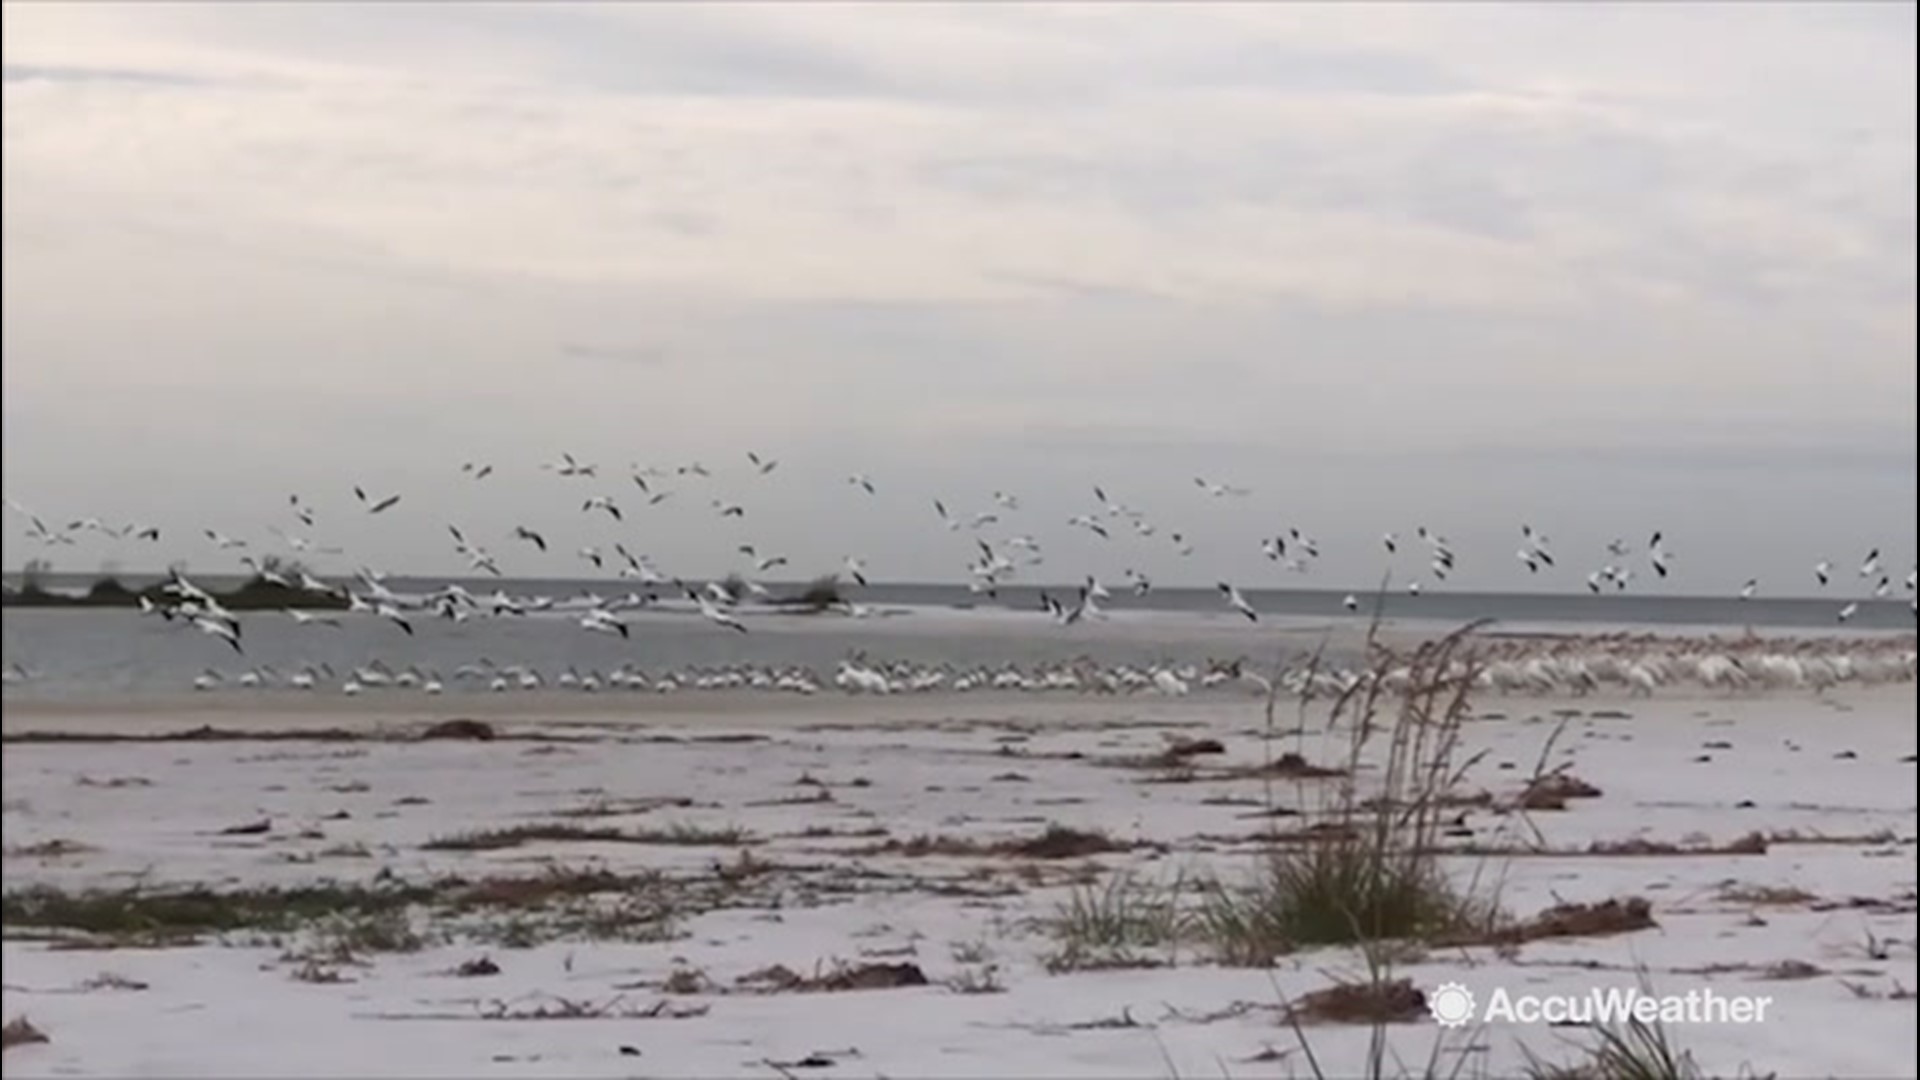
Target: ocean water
x,y
69,654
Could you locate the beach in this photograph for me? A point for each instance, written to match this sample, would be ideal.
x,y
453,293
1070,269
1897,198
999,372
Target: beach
x,y
839,542
736,884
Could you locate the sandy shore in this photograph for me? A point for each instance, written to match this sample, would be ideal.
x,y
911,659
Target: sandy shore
x,y
781,833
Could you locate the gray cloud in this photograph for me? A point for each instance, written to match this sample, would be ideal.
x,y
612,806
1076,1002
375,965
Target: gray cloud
x,y
58,73
1598,265
642,355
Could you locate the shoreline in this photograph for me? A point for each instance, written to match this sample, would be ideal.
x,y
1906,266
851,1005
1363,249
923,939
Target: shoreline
x,y
269,710
1710,667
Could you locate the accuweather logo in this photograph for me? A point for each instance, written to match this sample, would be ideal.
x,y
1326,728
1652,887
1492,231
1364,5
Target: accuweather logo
x,y
1453,1005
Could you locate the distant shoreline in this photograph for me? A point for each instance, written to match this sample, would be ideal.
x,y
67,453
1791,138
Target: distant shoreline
x,y
73,582
257,594
261,594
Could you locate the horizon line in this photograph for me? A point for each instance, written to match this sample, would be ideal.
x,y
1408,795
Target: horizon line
x,y
1374,592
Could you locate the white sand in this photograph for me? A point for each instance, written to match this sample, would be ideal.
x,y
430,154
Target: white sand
x,y
152,812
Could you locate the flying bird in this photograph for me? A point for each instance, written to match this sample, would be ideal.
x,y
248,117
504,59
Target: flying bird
x,y
375,506
569,466
1219,490
714,614
224,629
1238,602
1089,524
601,502
393,615
600,620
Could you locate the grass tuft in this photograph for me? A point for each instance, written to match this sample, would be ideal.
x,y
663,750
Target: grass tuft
x,y
1635,1050
1350,889
1117,924
1367,869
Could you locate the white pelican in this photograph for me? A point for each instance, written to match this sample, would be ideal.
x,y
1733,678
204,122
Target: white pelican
x,y
375,506
714,614
1238,602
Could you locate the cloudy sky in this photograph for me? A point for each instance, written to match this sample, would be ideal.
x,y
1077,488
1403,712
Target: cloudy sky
x,y
1601,268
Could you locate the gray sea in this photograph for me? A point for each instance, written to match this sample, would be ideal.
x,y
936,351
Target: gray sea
x,y
77,654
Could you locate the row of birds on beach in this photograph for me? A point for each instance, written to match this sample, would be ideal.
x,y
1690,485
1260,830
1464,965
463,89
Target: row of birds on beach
x,y
1623,664
999,560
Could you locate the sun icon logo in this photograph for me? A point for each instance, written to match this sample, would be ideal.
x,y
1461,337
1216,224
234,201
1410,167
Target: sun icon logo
x,y
1451,1004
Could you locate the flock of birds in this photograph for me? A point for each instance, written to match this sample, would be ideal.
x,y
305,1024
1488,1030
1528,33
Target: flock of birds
x,y
1001,555
1634,665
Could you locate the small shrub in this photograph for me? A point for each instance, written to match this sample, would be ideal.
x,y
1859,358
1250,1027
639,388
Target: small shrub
x,y
821,593
1339,891
1113,925
1368,869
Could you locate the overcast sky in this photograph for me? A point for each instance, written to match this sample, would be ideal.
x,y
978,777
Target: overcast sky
x,y
1600,268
